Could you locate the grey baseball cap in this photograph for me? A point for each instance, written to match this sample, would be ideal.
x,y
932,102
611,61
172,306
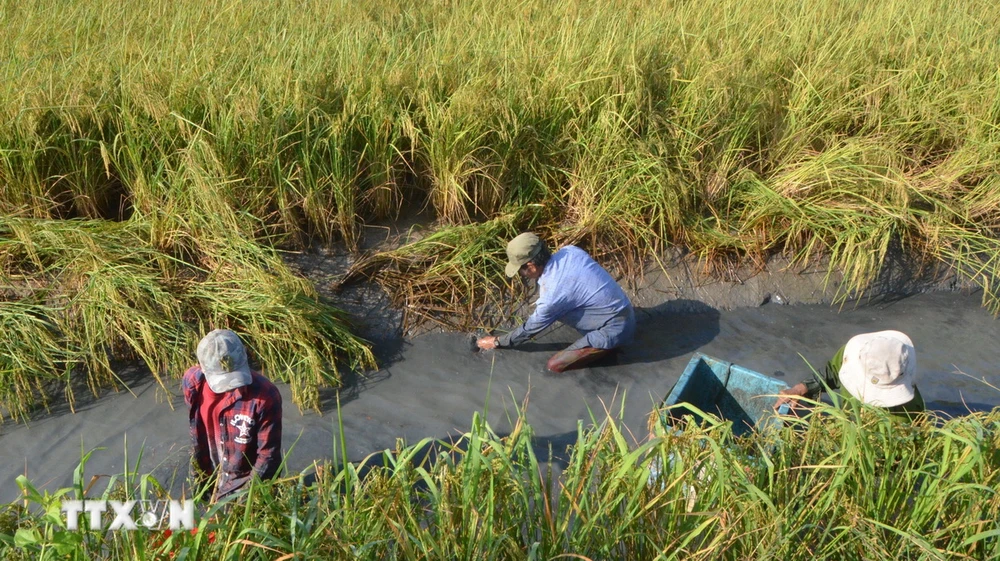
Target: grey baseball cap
x,y
520,250
223,359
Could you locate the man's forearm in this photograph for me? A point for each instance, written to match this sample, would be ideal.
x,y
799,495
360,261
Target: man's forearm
x,y
513,338
522,333
231,485
269,449
265,467
545,314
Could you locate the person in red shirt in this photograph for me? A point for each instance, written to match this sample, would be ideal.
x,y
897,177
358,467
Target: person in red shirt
x,y
234,415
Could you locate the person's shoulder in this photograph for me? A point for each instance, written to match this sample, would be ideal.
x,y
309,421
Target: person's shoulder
x,y
260,381
570,254
193,376
576,253
263,388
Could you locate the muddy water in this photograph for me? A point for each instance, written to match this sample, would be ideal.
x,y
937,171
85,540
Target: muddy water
x,y
431,386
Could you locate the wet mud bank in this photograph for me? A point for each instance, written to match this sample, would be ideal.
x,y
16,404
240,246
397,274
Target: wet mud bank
x,y
429,386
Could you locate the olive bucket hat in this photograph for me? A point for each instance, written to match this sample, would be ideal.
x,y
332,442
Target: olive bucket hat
x,y
520,250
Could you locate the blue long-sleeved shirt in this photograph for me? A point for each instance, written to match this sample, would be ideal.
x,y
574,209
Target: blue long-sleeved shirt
x,y
576,290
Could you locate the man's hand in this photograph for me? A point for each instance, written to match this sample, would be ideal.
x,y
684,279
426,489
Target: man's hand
x,y
790,395
487,343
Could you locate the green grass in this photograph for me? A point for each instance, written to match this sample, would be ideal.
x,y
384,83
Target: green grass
x,y
845,484
736,130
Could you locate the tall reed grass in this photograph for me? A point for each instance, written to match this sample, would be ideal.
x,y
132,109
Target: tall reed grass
x,y
842,484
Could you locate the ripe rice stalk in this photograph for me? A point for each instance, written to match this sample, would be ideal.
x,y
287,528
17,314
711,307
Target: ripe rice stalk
x,y
110,296
460,163
620,198
452,269
305,184
32,359
735,130
293,336
106,293
383,165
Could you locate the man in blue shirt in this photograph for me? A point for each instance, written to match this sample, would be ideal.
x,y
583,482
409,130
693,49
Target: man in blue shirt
x,y
573,289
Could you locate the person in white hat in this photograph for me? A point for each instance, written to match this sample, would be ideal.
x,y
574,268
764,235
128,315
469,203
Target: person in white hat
x,y
876,368
234,415
573,289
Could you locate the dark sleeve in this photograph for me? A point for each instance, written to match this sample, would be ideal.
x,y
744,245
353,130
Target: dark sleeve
x,y
187,386
828,377
269,439
201,461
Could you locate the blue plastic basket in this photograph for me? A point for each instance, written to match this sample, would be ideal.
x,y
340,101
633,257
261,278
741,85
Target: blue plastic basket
x,y
726,390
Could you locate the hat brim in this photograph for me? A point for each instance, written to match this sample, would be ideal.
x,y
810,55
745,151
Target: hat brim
x,y
879,396
514,265
512,269
226,381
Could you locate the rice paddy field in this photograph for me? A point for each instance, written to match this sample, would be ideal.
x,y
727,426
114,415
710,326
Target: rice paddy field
x,y
158,158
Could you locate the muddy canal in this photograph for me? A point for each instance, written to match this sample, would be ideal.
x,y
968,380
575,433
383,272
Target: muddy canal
x,y
430,386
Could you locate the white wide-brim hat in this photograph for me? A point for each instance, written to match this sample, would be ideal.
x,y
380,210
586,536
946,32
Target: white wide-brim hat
x,y
879,368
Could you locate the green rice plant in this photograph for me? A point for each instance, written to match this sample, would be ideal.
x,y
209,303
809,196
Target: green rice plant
x,y
120,311
620,197
55,166
247,287
294,336
304,183
460,163
734,130
842,483
974,253
102,295
327,115
383,162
